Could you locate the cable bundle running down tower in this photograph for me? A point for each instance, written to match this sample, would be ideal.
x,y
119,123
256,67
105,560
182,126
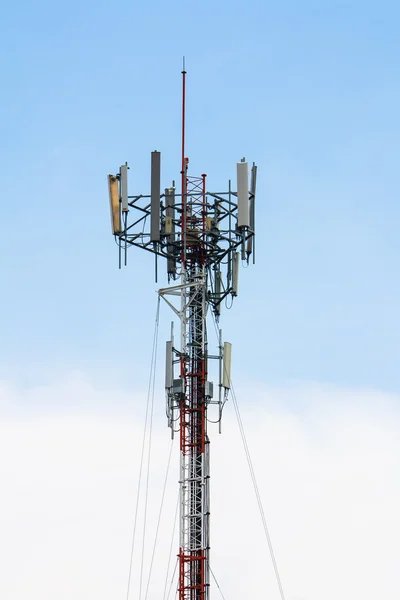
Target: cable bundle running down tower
x,y
203,235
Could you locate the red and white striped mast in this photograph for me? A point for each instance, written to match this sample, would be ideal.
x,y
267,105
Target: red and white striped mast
x,y
204,236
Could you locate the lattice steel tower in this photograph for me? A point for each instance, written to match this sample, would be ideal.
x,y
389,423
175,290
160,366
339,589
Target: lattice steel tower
x,y
203,236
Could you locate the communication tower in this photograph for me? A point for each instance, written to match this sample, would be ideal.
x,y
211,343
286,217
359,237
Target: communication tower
x,y
203,236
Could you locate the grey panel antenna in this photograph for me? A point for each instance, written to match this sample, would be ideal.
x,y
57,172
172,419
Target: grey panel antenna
x,y
170,229
243,194
170,209
218,290
217,283
155,196
235,274
123,174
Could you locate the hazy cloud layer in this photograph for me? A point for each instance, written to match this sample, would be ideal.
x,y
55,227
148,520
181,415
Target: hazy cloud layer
x,y
327,462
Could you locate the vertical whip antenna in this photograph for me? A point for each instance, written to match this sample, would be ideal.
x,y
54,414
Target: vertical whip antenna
x,y
183,163
183,119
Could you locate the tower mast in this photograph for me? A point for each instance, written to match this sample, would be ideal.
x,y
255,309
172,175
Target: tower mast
x,y
203,235
194,444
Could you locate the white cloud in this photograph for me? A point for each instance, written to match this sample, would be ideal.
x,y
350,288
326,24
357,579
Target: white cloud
x,y
327,462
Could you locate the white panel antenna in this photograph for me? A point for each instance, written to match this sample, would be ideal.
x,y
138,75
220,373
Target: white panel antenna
x,y
253,183
169,375
226,376
123,178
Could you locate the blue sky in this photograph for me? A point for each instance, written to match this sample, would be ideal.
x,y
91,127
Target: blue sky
x,y
309,90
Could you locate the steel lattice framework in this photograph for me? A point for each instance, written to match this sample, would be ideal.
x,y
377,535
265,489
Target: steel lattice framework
x,y
194,480
203,235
